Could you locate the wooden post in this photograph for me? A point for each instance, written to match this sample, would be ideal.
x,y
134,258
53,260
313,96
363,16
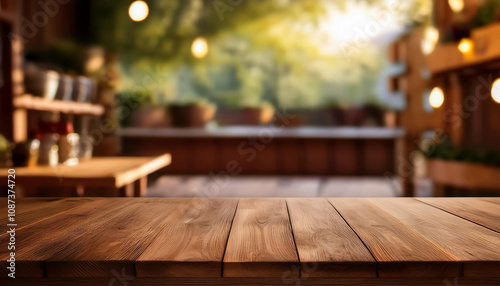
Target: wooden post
x,y
140,187
127,190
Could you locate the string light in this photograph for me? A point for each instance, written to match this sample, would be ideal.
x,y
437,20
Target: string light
x,y
429,40
138,11
495,91
199,48
465,46
436,98
456,6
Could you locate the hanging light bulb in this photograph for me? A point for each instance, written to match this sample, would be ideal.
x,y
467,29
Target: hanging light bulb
x,y
429,40
465,46
199,48
138,11
436,98
495,91
456,6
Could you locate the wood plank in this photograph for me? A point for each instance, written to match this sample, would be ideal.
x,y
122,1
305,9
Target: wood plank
x,y
400,251
184,281
33,210
491,200
344,158
115,244
31,102
315,157
326,245
113,230
475,246
261,242
479,211
193,245
30,250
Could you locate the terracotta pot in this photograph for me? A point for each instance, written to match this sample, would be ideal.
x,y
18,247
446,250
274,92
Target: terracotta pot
x,y
191,115
297,119
258,115
463,174
149,116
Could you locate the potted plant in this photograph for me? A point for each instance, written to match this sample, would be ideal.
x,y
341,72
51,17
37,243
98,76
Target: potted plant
x,y
136,109
463,167
192,113
258,114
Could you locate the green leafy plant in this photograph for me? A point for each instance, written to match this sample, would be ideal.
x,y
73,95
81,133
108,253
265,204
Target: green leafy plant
x,y
446,151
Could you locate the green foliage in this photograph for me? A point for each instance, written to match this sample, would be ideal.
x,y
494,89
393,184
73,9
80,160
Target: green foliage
x,y
259,52
487,13
446,151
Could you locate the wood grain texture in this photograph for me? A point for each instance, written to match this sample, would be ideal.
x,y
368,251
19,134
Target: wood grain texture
x,y
326,245
261,243
475,246
149,281
194,240
32,211
400,251
480,211
31,248
97,172
115,243
193,245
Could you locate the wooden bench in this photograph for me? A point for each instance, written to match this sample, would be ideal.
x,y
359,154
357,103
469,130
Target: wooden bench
x,y
201,241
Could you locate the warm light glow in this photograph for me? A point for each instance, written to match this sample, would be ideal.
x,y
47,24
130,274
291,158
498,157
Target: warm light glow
x,y
436,98
430,40
199,47
495,91
138,11
456,5
465,46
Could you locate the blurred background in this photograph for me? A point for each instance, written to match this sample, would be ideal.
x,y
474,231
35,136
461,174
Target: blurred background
x,y
259,98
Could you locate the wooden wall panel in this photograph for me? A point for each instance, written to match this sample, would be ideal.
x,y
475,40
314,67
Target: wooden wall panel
x,y
315,159
289,157
342,157
377,157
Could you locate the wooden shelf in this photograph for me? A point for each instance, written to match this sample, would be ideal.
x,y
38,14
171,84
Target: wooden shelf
x,y
69,107
447,57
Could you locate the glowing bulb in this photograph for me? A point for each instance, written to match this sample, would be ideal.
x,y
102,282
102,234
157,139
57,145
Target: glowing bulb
x,y
456,5
199,48
138,11
430,40
465,46
495,91
436,98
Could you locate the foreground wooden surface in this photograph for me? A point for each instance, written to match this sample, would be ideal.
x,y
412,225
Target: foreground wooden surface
x,y
230,241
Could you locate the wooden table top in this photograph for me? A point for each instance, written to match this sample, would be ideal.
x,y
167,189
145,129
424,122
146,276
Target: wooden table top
x,y
271,238
96,172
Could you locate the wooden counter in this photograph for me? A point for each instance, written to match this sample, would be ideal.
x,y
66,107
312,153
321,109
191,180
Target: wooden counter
x,y
200,241
266,150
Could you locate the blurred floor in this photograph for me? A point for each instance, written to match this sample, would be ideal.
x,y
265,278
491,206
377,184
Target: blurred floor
x,y
272,186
